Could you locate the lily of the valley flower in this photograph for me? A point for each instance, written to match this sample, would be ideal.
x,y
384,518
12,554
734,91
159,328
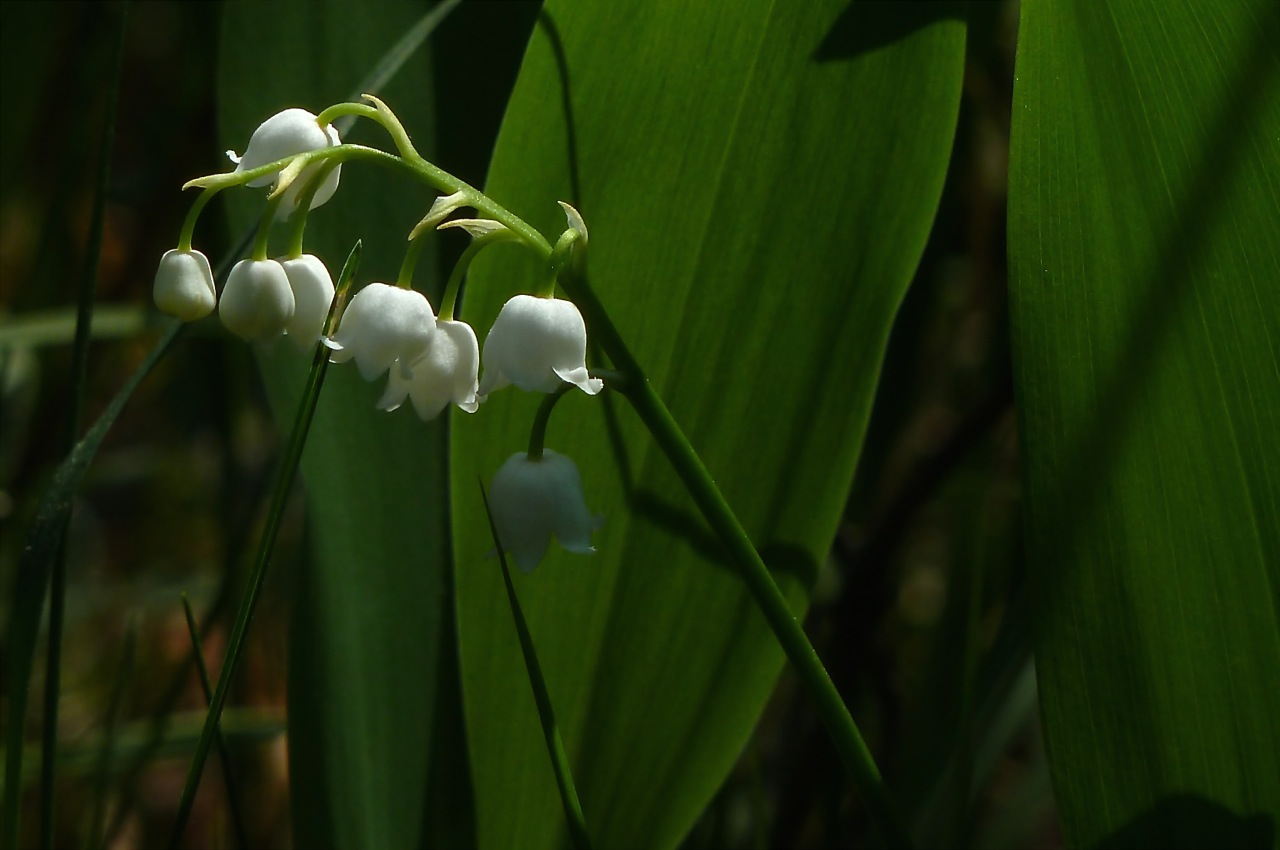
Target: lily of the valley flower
x,y
537,343
257,302
533,499
384,325
312,288
446,374
289,133
184,285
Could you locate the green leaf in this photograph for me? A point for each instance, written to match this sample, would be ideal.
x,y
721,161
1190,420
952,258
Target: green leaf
x,y
1145,250
758,181
371,623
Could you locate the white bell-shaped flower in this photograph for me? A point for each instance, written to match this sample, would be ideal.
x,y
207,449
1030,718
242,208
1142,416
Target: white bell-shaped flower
x,y
446,374
533,499
257,302
184,285
384,325
288,133
536,343
312,295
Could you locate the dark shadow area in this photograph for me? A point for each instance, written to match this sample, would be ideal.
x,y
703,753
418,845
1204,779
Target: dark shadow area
x,y
470,107
688,525
867,25
1188,821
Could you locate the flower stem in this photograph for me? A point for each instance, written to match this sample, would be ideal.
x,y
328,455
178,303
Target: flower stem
x,y
449,300
298,221
550,731
538,433
688,465
411,254
193,214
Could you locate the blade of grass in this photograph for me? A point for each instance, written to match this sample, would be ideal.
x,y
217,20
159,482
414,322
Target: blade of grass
x,y
550,731
233,797
79,373
97,831
36,562
284,481
34,569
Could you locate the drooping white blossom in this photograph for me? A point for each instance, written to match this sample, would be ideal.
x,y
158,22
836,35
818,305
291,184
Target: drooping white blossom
x,y
257,302
284,134
537,343
184,285
445,374
533,499
312,288
383,326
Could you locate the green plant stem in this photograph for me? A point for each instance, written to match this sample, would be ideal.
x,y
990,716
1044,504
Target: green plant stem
x,y
550,731
411,254
262,238
844,732
280,494
233,797
449,300
193,215
538,431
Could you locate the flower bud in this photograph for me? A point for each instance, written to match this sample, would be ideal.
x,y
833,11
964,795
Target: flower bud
x,y
536,343
447,373
312,288
384,325
184,285
532,499
284,134
257,302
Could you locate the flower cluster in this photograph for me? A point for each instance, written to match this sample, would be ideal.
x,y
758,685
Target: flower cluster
x,y
263,298
536,343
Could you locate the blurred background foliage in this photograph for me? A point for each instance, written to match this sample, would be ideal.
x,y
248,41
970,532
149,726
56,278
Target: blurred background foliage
x,y
930,541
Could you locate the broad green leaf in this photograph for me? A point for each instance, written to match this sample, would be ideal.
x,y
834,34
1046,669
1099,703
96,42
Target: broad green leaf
x,y
758,179
1145,251
370,612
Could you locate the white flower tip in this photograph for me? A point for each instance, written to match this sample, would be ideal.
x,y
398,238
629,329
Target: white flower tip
x,y
332,345
441,208
475,227
184,285
574,219
233,156
581,379
257,302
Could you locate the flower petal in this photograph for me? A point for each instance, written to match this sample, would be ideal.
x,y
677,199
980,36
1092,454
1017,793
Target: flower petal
x,y
257,302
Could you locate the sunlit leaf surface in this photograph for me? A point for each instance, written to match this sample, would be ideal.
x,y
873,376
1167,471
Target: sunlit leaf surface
x,y
758,180
1145,243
